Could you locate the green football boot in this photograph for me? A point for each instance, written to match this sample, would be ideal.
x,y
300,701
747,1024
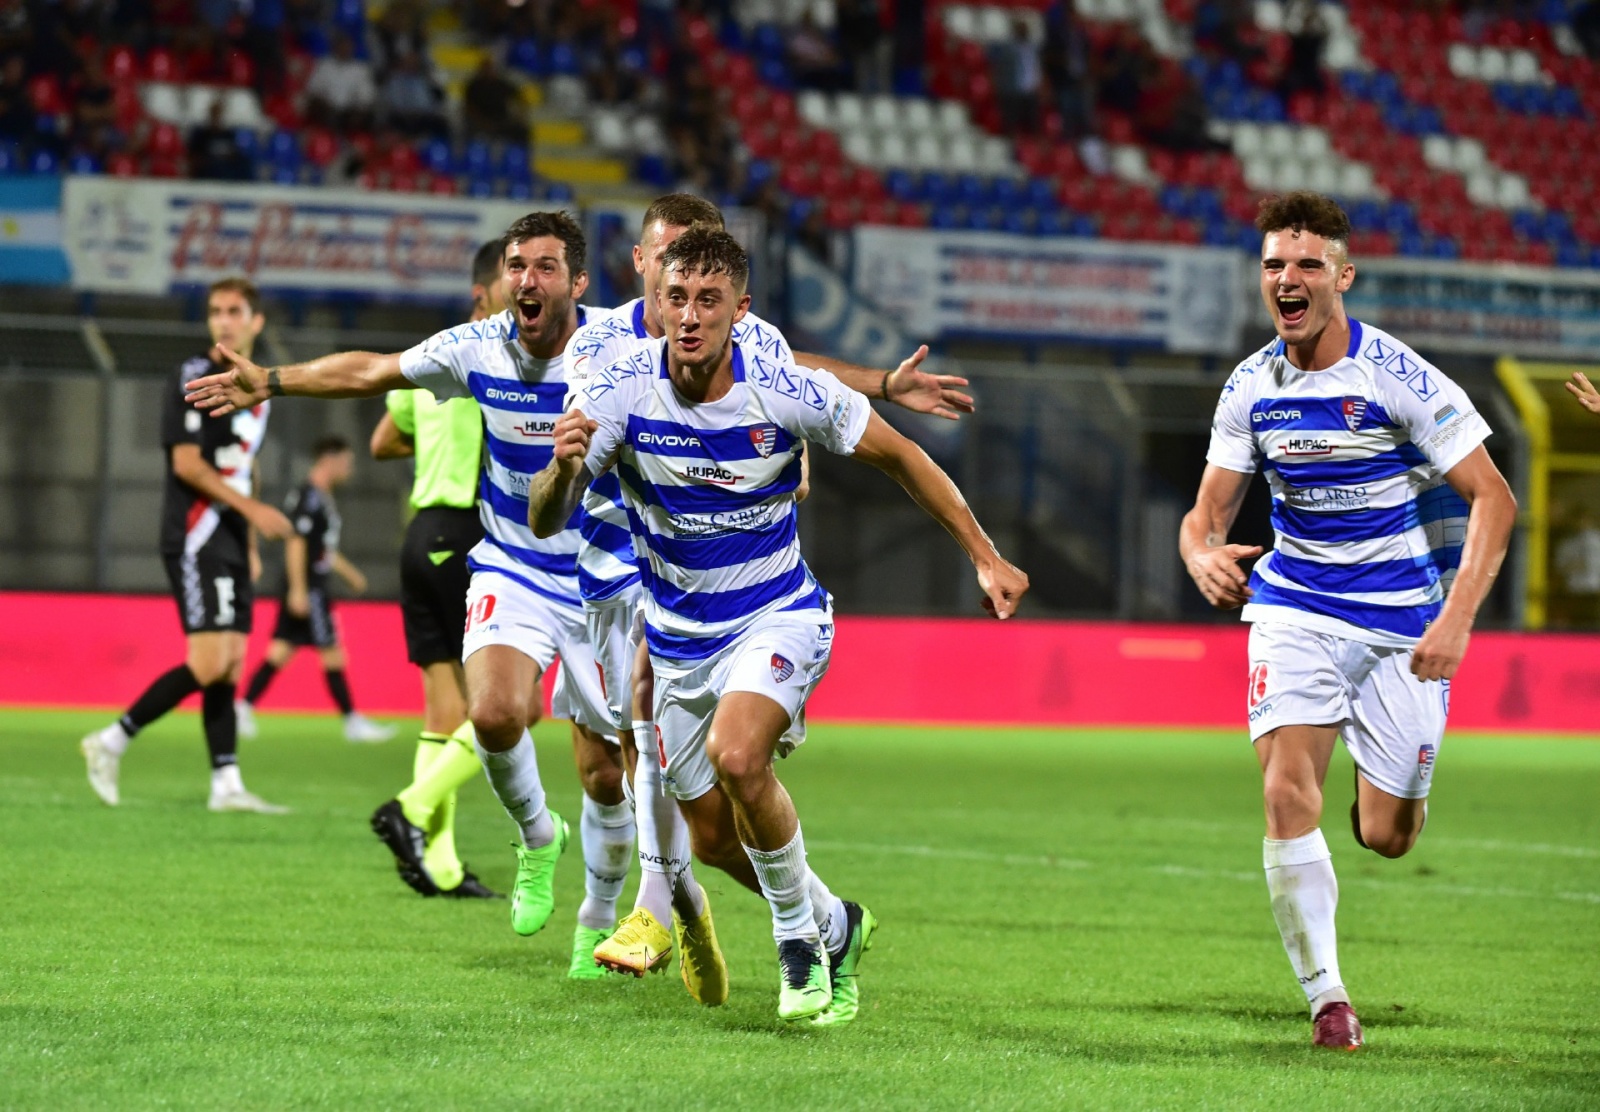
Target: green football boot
x,y
533,893
846,967
584,967
803,985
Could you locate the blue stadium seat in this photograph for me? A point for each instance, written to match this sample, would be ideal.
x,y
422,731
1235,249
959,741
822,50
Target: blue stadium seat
x,y
1399,218
478,159
759,172
1041,193
652,169
286,175
524,55
437,156
1564,102
1355,84
248,142
1384,86
1220,233
1175,199
1572,254
1445,247
1366,215
1018,221
938,189
1557,225
559,192
799,209
564,60
1008,193
947,217
350,16
1528,224
1414,245
514,161
1053,222
985,218
84,164
972,190
775,73
10,159
44,162
283,148
767,39
520,190
902,186
481,188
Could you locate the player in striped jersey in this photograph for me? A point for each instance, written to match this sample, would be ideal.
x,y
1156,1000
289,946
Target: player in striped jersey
x,y
705,434
522,608
1391,523
608,581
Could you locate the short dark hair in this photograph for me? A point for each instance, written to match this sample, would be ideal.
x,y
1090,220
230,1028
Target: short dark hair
x,y
330,445
486,263
559,225
707,251
681,210
1304,211
241,286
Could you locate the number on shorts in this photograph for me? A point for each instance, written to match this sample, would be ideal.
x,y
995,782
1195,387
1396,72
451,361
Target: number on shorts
x,y
481,611
225,600
1258,684
661,749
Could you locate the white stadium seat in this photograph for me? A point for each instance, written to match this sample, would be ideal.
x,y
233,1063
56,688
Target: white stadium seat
x,y
916,114
1323,177
1439,152
927,153
1492,64
1343,52
608,130
961,22
1269,15
1356,179
1524,68
1258,171
1481,188
814,108
1127,162
892,150
647,135
953,117
994,24
860,147
1511,192
961,154
1290,173
1278,140
848,111
1470,155
1247,139
994,156
1463,60
1312,142
165,101
883,112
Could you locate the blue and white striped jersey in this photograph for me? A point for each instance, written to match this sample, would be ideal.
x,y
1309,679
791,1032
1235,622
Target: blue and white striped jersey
x,y
606,559
521,398
1368,533
710,488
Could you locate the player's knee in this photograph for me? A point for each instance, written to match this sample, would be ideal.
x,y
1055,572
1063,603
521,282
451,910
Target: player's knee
x,y
213,667
739,767
602,782
1291,797
1388,841
499,718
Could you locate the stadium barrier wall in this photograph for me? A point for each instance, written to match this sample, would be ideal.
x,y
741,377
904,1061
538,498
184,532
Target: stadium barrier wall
x,y
87,650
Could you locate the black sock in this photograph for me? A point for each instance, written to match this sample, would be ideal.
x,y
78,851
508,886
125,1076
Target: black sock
x,y
266,671
222,726
339,688
168,690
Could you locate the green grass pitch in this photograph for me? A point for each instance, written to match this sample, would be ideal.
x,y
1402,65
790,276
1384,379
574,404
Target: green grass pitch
x,y
1070,919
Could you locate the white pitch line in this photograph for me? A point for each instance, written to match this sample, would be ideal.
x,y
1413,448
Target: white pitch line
x,y
1542,848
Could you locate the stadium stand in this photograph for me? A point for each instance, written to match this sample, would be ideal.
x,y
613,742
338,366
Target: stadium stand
x,y
1128,119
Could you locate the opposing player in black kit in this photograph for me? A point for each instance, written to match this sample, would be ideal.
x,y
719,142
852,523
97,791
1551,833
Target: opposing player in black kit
x,y
305,612
208,520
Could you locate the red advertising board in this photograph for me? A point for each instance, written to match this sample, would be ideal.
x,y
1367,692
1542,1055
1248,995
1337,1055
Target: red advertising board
x,y
100,651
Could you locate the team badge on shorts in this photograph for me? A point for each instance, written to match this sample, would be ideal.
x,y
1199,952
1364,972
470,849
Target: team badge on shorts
x,y
782,667
764,438
1425,760
1354,410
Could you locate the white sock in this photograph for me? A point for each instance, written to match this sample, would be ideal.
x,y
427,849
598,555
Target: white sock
x,y
115,738
226,780
514,776
607,833
827,910
666,874
786,882
1305,894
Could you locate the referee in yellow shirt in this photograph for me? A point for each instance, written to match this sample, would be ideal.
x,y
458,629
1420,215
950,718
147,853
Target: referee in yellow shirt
x,y
446,439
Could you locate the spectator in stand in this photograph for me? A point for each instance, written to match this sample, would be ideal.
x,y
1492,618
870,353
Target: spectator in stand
x,y
1227,27
1068,69
1121,69
409,101
814,236
16,110
1308,34
1019,79
16,29
492,106
610,75
1586,25
214,152
812,57
863,45
1171,112
94,113
400,32
340,92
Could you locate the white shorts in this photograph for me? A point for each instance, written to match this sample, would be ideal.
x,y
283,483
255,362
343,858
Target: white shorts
x,y
1392,722
502,611
783,657
615,628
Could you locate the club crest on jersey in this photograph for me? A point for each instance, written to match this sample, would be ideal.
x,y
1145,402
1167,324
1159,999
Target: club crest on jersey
x,y
1425,760
782,667
764,438
1354,410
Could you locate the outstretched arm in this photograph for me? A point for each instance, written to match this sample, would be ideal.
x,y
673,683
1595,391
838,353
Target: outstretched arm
x,y
907,464
1489,523
1213,563
555,492
907,385
345,374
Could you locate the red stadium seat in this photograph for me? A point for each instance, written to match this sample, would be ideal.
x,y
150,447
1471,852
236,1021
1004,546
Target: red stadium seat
x,y
878,212
834,182
840,213
46,94
321,147
165,142
443,185
798,179
122,65
122,165
162,65
166,166
240,69
403,181
866,183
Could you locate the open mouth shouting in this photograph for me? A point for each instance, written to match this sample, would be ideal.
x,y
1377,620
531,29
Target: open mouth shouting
x,y
691,342
1292,310
529,310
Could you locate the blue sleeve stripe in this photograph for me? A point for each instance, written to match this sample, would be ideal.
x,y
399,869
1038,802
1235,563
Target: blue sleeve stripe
x,y
712,607
706,499
1403,621
1415,574
726,550
646,436
1350,472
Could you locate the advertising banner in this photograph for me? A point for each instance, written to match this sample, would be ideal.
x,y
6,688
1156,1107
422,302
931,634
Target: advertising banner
x,y
30,231
1014,287
1484,310
142,236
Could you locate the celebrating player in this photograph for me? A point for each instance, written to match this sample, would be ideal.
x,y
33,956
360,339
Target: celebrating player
x,y
609,584
523,603
705,435
1581,388
305,612
209,518
1391,522
446,440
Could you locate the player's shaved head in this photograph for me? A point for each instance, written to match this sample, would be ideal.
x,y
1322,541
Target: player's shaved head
x,y
486,263
1304,211
680,210
707,251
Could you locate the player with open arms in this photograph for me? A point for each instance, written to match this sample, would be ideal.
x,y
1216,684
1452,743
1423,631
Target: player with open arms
x,y
705,434
209,518
522,607
609,583
445,440
1391,523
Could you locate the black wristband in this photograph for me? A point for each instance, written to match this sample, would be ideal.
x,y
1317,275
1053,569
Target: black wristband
x,y
274,387
885,390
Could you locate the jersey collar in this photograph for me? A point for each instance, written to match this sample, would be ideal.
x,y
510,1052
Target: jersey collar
x,y
1280,348
639,331
738,362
